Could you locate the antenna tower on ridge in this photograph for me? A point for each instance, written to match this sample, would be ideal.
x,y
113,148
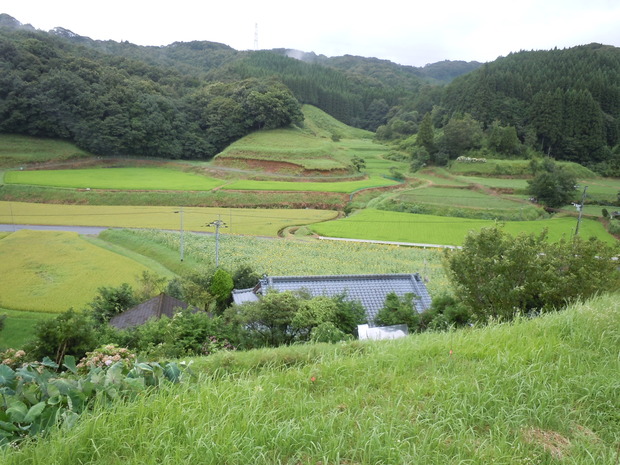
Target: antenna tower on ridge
x,y
255,36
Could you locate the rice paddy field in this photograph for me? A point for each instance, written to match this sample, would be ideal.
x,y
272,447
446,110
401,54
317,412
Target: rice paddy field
x,y
343,186
125,178
458,198
441,230
262,222
277,257
51,271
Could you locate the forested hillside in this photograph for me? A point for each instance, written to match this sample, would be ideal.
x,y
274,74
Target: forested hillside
x,y
190,100
566,103
184,100
112,105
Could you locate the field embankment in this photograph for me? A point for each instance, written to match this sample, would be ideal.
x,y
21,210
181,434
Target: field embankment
x,y
535,391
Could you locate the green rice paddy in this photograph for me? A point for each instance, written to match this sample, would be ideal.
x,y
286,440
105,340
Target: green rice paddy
x,y
115,178
343,186
406,227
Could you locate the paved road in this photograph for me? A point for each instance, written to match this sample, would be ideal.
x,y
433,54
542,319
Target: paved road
x,y
91,230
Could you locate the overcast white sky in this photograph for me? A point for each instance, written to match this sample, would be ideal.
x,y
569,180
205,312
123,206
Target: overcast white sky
x,y
404,31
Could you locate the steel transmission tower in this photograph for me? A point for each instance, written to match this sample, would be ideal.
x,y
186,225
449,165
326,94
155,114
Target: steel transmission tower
x,y
255,36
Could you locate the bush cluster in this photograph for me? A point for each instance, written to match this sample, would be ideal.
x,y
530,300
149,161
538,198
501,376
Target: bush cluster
x,y
497,275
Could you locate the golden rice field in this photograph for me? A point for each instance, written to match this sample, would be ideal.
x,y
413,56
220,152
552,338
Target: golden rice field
x,y
51,271
256,221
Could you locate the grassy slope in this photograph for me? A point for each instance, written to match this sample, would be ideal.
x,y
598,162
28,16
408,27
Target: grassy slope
x,y
17,150
19,327
538,391
311,146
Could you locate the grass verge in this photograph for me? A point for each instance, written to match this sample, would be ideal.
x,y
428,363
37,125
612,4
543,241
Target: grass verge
x,y
19,327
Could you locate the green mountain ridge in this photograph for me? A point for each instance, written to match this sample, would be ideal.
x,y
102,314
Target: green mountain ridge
x,y
181,100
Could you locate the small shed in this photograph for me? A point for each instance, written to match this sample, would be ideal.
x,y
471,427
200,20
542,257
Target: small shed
x,y
162,305
369,290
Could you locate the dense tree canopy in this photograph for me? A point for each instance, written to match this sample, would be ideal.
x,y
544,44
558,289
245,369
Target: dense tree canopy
x,y
118,106
497,275
569,99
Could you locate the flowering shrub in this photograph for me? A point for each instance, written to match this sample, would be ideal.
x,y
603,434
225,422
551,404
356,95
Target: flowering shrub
x,y
213,345
105,356
463,159
13,358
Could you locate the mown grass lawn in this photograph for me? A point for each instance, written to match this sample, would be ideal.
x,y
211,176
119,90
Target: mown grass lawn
x,y
52,271
441,230
129,178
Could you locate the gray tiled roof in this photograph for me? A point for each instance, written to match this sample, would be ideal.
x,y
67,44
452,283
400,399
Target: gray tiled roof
x,y
153,308
370,290
241,296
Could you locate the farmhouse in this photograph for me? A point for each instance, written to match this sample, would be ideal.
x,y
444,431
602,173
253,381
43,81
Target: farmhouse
x,y
162,305
369,290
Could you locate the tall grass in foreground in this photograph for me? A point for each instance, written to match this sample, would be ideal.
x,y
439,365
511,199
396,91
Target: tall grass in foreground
x,y
539,391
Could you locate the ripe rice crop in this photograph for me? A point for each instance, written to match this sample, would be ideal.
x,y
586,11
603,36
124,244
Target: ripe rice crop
x,y
52,271
264,222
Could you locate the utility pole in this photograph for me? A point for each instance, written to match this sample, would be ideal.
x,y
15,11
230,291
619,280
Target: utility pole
x,y
217,224
580,208
182,241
